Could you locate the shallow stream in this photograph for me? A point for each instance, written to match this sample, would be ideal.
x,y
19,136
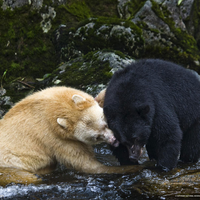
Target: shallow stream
x,y
149,183
146,184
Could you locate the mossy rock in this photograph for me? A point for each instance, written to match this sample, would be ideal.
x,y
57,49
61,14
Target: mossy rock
x,y
127,9
165,35
90,72
150,32
26,47
97,34
85,26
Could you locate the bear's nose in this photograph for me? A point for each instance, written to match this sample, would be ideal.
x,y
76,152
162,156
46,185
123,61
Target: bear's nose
x,y
115,143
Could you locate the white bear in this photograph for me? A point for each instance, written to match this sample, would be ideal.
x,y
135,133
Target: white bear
x,y
55,125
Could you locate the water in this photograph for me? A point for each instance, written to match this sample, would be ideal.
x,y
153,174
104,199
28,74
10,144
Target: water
x,y
181,183
147,184
69,184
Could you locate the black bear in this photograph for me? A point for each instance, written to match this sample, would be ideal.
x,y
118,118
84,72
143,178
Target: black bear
x,y
156,103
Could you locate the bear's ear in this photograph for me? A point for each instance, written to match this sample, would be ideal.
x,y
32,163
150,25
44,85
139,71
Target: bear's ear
x,y
143,109
78,99
62,122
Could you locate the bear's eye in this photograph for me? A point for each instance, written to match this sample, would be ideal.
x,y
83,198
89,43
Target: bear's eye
x,y
98,138
89,123
105,126
95,138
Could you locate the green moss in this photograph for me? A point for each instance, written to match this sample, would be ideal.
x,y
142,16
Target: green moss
x,y
136,29
114,21
196,16
195,19
134,6
107,21
24,49
80,72
63,17
75,11
106,8
79,9
173,54
185,57
15,66
182,39
47,3
11,31
120,54
94,34
23,42
87,72
30,34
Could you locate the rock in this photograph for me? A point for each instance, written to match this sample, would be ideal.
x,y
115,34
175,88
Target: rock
x,y
180,183
140,29
96,34
90,72
148,16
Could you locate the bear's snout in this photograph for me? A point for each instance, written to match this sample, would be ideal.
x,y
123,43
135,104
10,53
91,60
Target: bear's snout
x,y
110,138
115,143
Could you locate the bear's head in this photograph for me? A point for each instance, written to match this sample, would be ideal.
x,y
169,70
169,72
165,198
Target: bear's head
x,y
130,127
90,126
128,123
127,118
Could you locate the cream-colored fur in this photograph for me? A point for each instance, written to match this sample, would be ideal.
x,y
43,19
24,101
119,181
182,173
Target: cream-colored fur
x,y
56,125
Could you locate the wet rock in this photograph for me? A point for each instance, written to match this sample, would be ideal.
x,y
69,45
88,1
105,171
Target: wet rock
x,y
178,183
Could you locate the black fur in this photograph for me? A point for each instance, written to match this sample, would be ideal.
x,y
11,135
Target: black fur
x,y
157,103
